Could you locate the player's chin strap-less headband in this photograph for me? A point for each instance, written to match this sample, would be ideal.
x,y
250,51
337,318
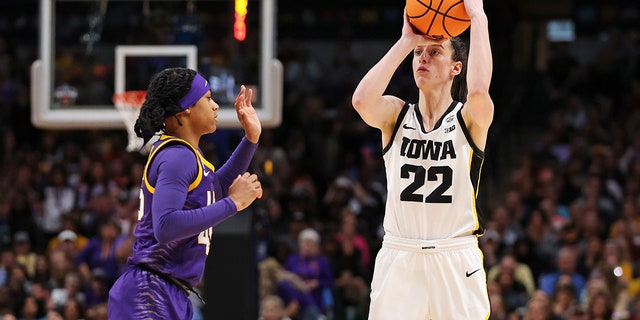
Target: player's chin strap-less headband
x,y
199,87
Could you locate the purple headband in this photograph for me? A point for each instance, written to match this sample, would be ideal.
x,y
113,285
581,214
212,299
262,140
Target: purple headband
x,y
199,87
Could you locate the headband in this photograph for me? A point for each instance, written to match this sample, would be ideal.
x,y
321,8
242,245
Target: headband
x,y
199,87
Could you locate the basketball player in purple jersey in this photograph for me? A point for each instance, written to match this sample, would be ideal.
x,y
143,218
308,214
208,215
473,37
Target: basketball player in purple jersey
x,y
430,265
182,197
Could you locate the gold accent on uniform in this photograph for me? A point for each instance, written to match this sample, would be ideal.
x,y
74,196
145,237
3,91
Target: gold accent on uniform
x,y
199,158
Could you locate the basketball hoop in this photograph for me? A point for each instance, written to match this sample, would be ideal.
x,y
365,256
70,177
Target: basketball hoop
x,y
128,104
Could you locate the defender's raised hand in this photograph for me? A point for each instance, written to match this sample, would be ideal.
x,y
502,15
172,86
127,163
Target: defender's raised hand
x,y
247,115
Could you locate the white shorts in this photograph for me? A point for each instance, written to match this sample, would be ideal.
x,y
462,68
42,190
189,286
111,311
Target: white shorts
x,y
429,280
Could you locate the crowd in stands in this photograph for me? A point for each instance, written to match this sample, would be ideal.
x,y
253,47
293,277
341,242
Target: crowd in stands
x,y
561,193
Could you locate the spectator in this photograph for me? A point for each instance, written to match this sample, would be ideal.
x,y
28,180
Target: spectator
x,y
600,307
68,242
539,308
617,272
351,288
565,273
24,201
313,267
594,286
589,257
124,247
31,310
95,183
72,290
294,292
97,312
521,272
272,308
498,311
490,244
41,292
18,286
101,253
97,289
286,243
59,200
349,232
73,310
508,229
7,259
537,246
54,315
43,271
23,252
563,301
61,266
100,209
514,293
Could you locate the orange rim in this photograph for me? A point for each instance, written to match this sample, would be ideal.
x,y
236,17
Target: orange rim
x,y
130,98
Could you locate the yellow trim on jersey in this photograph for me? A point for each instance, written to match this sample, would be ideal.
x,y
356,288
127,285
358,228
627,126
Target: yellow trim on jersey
x,y
477,187
207,163
474,195
154,150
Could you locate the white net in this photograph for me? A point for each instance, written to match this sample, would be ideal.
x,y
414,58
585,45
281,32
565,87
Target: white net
x,y
128,104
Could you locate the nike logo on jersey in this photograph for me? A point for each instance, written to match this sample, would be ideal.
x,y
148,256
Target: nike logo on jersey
x,y
206,173
469,274
408,127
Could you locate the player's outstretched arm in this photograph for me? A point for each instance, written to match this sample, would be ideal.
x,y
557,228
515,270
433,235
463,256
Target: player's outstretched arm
x,y
375,109
479,67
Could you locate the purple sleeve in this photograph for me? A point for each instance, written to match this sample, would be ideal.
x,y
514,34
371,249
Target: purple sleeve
x,y
174,174
237,164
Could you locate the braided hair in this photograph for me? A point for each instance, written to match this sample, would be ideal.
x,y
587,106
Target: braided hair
x,y
459,86
165,90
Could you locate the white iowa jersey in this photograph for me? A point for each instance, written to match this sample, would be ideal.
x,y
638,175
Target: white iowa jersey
x,y
432,178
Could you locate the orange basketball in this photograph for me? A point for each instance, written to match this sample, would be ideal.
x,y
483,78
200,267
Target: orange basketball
x,y
438,18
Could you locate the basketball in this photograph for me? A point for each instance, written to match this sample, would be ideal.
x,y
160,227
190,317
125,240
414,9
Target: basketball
x,y
438,18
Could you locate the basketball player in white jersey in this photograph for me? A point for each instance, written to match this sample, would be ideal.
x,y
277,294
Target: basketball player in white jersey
x,y
430,265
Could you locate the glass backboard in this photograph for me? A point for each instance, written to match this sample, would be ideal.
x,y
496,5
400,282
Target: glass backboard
x,y
91,49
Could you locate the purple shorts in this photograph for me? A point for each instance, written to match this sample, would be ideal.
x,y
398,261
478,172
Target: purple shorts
x,y
140,294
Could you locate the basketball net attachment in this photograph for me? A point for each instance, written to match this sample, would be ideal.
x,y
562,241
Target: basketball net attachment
x,y
128,104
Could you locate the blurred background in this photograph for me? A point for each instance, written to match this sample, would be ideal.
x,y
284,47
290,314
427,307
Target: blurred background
x,y
560,183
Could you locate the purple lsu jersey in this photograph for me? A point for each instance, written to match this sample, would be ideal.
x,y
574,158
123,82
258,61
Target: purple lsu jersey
x,y
169,258
173,238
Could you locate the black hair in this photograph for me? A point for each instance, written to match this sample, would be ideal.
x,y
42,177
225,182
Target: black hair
x,y
166,88
459,86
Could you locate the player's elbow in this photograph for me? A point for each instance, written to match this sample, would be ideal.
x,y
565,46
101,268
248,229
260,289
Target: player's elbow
x,y
162,233
361,100
478,91
162,237
357,101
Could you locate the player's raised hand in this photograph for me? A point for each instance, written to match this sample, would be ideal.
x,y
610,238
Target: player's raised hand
x,y
244,190
247,114
409,32
473,7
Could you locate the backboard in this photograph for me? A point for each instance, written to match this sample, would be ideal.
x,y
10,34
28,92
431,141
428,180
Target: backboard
x,y
91,49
